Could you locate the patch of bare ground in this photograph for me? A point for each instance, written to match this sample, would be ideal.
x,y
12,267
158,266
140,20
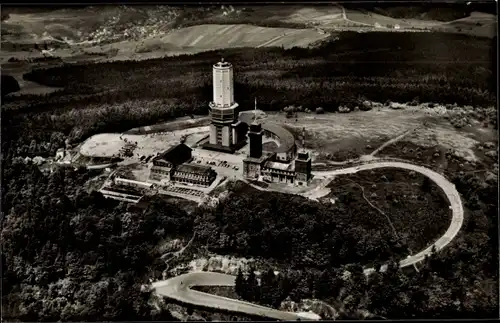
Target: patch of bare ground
x,y
94,184
341,136
351,148
441,159
414,208
270,145
113,144
336,150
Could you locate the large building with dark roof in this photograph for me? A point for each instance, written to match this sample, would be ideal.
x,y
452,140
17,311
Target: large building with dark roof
x,y
173,166
175,155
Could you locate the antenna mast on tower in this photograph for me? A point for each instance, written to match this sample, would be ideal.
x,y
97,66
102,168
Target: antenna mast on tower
x,y
303,137
255,110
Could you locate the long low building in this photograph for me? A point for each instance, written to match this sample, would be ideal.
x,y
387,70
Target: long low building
x,y
193,174
278,172
133,183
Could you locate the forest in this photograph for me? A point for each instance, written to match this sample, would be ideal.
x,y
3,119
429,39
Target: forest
x,y
71,255
310,235
9,85
460,281
441,11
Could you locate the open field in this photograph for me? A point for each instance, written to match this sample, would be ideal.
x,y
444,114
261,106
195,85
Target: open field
x,y
210,37
135,33
142,32
477,24
334,132
110,144
324,15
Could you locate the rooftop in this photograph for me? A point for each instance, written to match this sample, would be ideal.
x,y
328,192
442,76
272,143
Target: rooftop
x,y
280,166
303,154
255,127
287,140
261,159
222,63
176,154
126,180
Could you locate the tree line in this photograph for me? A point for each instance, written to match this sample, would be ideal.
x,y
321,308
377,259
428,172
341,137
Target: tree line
x,y
432,292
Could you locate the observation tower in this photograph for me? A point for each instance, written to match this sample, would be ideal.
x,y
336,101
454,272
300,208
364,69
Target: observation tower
x,y
226,131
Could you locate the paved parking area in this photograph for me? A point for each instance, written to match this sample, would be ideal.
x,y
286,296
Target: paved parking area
x,y
229,165
207,155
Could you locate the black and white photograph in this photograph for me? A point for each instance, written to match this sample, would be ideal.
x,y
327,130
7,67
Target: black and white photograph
x,y
249,161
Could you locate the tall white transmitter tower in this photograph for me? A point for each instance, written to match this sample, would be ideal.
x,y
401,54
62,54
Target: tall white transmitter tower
x,y
224,126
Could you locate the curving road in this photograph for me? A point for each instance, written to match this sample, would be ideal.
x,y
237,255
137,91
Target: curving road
x,y
178,287
448,188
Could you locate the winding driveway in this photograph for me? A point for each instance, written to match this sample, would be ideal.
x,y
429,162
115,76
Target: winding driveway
x,y
178,288
448,188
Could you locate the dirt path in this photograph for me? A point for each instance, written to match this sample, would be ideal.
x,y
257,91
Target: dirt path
x,y
379,210
393,140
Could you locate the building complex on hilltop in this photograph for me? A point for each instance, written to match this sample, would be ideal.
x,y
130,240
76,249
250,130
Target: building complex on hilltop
x,y
287,149
278,162
228,133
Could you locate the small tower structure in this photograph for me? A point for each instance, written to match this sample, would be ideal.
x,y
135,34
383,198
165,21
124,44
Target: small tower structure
x,y
255,158
303,165
255,135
